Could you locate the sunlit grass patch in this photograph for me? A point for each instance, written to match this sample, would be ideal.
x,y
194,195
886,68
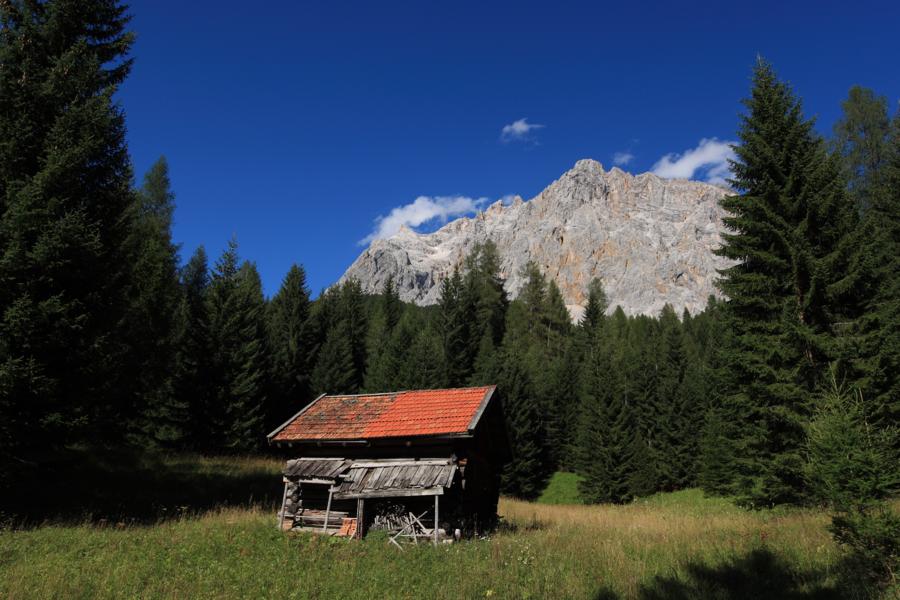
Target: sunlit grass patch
x,y
680,545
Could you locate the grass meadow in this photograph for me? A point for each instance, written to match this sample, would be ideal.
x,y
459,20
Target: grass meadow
x,y
679,545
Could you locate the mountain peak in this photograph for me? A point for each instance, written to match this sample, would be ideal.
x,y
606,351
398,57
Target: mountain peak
x,y
649,240
587,165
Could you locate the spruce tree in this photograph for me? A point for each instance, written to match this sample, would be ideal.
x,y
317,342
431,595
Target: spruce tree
x,y
526,473
391,306
335,372
154,299
861,139
454,326
606,434
65,202
385,353
236,310
353,314
871,318
786,226
290,343
192,369
483,290
248,407
671,415
425,365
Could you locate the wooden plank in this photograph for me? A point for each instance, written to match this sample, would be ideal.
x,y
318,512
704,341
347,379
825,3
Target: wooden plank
x,y
397,493
397,462
327,510
318,481
360,518
418,475
376,475
450,475
283,501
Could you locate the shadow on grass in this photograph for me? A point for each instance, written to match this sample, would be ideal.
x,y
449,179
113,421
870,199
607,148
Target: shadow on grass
x,y
759,574
122,488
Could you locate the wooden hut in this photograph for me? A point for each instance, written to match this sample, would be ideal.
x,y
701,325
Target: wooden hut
x,y
412,463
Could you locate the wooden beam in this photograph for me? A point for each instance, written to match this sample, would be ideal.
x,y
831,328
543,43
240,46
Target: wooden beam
x,y
436,522
401,462
281,512
360,517
401,493
327,512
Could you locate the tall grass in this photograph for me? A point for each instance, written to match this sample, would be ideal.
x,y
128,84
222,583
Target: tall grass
x,y
670,546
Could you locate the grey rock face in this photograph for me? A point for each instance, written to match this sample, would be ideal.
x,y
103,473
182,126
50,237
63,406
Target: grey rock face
x,y
649,240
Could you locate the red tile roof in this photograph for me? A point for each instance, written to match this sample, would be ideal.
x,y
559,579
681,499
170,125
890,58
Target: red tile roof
x,y
398,414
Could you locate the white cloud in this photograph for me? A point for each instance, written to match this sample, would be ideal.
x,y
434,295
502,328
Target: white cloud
x,y
709,161
420,211
620,159
518,130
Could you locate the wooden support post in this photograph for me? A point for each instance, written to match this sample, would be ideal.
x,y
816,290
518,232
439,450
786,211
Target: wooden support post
x,y
327,511
436,500
360,517
281,512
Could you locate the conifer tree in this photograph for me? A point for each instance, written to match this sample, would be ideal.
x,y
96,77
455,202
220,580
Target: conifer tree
x,y
861,139
786,228
353,313
606,433
65,199
391,306
525,474
248,408
154,298
290,344
334,372
389,368
424,367
670,418
483,289
192,368
871,316
386,352
236,310
454,327
595,309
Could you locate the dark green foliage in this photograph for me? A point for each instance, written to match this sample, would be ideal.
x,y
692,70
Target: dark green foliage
x,y
391,306
154,299
341,322
455,332
483,290
291,343
861,139
788,229
334,372
192,368
236,310
606,433
855,466
527,471
871,332
65,207
388,345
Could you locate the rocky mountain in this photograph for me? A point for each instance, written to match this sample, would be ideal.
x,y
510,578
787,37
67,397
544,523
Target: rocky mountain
x,y
650,241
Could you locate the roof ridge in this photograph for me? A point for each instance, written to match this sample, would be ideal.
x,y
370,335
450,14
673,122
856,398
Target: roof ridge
x,y
394,393
449,389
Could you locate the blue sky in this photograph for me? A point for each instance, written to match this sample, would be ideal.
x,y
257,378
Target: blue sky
x,y
296,125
